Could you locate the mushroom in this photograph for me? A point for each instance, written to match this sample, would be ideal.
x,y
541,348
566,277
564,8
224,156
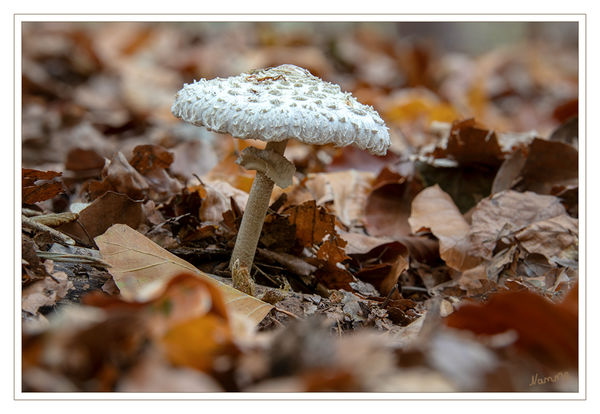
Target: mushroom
x,y
274,105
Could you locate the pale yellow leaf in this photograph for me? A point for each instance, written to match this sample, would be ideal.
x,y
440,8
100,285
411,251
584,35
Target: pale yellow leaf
x,y
141,268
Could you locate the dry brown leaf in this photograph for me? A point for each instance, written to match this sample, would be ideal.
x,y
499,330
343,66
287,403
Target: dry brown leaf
x,y
227,170
150,157
45,292
546,331
433,209
141,269
549,164
40,185
312,223
119,176
383,265
555,238
347,190
388,204
506,213
103,212
216,199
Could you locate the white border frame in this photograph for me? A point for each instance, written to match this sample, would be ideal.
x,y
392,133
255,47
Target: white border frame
x,y
214,17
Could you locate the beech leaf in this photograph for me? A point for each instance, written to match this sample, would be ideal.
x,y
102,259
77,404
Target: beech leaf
x,y
141,268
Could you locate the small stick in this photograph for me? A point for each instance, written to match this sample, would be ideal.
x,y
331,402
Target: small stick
x,y
31,224
290,314
72,258
29,212
389,296
265,274
415,289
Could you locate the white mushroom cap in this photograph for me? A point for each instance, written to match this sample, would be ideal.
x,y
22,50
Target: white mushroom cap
x,y
280,103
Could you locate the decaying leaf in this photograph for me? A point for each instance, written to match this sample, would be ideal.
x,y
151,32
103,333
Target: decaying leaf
x,y
47,291
470,144
546,331
108,209
40,185
434,210
388,204
343,192
141,268
312,223
506,213
147,158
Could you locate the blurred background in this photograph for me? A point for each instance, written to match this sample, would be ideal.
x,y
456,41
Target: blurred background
x,y
112,84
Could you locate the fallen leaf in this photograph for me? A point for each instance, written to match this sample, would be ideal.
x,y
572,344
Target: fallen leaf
x,y
345,190
40,185
141,268
228,170
547,332
353,158
119,176
80,159
388,205
383,265
506,213
45,292
106,210
433,209
147,158
557,238
312,223
549,164
217,200
470,144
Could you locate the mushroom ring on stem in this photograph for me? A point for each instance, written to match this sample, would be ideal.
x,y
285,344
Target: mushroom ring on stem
x,y
274,105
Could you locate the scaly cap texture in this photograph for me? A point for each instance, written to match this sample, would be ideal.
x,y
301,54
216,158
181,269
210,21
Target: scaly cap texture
x,y
280,103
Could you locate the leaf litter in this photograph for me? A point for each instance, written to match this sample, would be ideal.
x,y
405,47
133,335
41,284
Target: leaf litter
x,y
450,264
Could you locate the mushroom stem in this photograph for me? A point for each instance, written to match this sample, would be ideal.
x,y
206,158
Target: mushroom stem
x,y
254,214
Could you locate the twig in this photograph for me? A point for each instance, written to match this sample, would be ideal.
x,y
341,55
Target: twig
x,y
290,314
415,289
265,275
389,296
30,213
276,321
72,258
31,224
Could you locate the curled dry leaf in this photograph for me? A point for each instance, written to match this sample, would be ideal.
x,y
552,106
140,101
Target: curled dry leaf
x,y
45,292
546,166
40,185
383,265
216,199
141,269
388,204
433,209
312,223
80,159
470,144
556,238
345,190
147,158
119,176
549,164
547,332
228,170
508,212
106,210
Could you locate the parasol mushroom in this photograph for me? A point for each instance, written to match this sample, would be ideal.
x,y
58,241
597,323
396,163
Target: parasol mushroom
x,y
274,105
